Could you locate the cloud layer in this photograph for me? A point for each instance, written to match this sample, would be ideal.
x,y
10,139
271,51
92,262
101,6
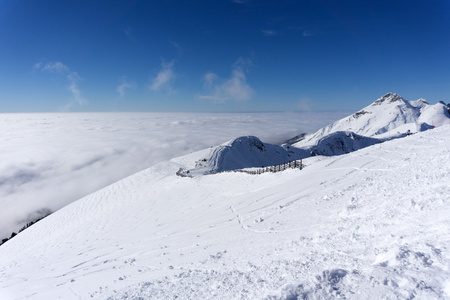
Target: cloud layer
x,y
234,88
51,160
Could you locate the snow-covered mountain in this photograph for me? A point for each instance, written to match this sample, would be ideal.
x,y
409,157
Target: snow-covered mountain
x,y
371,224
342,142
244,152
389,116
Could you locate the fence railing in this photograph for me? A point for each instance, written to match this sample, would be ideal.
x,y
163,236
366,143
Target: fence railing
x,y
296,164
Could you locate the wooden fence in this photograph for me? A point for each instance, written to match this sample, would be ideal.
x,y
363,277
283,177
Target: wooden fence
x,y
296,164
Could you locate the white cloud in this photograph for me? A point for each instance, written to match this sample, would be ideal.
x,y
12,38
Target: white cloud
x,y
177,47
72,77
307,33
209,78
164,78
268,32
37,66
55,67
73,87
304,104
124,84
234,88
129,33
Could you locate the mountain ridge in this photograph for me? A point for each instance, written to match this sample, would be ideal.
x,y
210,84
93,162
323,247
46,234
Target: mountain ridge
x,y
388,116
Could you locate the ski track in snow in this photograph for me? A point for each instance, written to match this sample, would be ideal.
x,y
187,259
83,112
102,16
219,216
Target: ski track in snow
x,y
370,224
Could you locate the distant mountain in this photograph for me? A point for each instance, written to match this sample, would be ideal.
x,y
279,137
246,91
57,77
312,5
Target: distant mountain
x,y
296,139
389,116
342,142
245,152
250,152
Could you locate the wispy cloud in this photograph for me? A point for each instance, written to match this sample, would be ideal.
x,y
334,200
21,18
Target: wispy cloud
x,y
54,67
304,104
123,85
72,77
165,77
268,32
319,30
234,88
73,87
177,47
37,66
307,33
209,78
129,33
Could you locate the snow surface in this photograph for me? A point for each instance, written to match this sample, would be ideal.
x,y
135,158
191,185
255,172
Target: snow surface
x,y
371,224
388,117
49,160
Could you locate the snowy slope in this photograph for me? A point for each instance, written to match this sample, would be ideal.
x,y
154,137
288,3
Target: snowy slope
x,y
245,152
372,224
389,116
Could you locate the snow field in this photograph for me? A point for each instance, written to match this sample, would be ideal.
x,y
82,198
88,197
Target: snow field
x,y
370,224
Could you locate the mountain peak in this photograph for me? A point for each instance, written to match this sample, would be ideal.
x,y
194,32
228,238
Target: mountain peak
x,y
388,98
389,114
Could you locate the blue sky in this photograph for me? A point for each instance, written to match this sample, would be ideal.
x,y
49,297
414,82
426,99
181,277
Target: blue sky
x,y
224,55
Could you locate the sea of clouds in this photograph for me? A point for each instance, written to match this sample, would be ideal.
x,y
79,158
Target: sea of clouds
x,y
49,160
